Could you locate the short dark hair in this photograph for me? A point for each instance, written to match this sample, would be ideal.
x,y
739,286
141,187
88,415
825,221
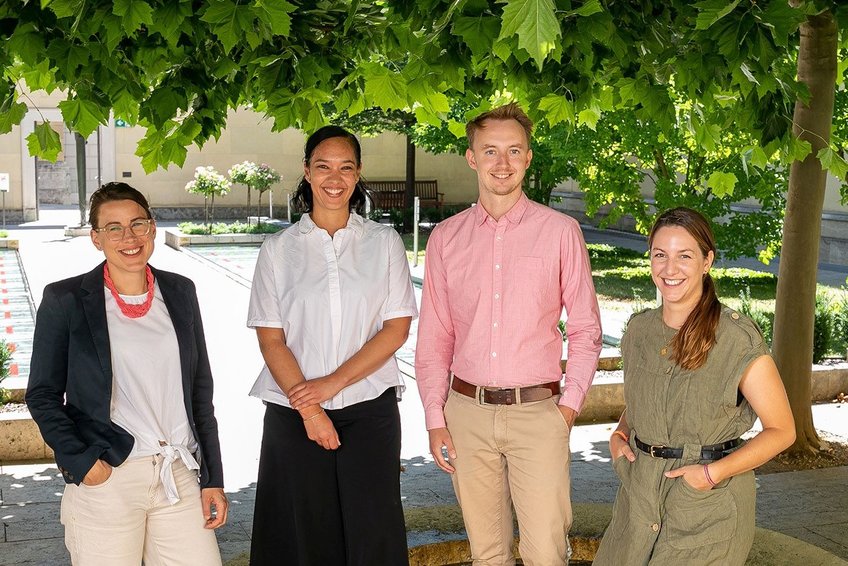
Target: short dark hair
x,y
303,193
511,111
111,192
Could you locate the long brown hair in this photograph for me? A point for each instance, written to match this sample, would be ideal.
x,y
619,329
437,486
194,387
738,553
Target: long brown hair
x,y
693,342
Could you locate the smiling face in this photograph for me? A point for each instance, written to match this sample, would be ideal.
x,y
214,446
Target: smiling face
x,y
678,267
501,155
128,256
332,172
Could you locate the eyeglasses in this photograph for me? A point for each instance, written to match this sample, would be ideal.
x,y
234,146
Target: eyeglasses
x,y
115,232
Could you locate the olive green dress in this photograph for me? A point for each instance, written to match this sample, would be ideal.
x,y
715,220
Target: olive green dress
x,y
664,521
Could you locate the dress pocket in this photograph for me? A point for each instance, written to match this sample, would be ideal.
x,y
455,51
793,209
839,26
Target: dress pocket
x,y
697,518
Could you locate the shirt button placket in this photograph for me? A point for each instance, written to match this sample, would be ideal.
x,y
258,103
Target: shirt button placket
x,y
497,302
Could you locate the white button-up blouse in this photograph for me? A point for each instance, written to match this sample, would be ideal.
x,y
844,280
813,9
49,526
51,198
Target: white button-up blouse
x,y
330,295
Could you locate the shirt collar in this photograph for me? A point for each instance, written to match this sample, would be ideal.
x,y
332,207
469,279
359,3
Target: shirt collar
x,y
354,222
513,215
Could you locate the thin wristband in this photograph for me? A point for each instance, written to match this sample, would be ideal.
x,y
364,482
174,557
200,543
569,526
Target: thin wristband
x,y
707,475
621,434
315,416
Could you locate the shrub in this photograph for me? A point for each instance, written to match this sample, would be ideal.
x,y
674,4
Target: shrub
x,y
764,319
208,183
822,328
253,176
234,228
5,357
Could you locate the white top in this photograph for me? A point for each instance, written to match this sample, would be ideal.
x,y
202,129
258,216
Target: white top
x,y
147,385
330,296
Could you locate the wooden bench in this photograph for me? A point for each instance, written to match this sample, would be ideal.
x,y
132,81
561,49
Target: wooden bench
x,y
388,195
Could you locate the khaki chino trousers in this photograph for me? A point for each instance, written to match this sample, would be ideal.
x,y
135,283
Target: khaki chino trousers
x,y
512,456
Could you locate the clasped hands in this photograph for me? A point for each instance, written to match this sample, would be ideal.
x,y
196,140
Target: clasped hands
x,y
306,397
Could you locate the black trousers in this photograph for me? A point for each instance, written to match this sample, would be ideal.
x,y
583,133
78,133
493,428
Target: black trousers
x,y
317,507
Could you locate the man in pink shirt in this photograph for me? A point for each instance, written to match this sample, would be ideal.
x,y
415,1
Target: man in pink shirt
x,y
497,277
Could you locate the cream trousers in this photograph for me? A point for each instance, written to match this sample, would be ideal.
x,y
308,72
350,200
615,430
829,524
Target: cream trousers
x,y
128,518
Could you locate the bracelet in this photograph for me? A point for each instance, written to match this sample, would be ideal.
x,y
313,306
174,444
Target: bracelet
x,y
315,416
621,434
707,475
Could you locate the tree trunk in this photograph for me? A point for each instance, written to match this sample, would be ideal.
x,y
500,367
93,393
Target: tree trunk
x,y
796,284
409,187
248,199
79,143
259,208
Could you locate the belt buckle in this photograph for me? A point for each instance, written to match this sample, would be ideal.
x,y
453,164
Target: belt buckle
x,y
657,447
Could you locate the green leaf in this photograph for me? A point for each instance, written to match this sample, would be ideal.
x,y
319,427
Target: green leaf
x,y
456,128
385,88
707,135
834,162
758,157
722,184
557,109
589,117
479,32
163,105
44,142
712,11
230,22
40,76
275,13
589,8
26,43
133,14
82,116
11,114
783,20
63,8
798,149
536,25
168,19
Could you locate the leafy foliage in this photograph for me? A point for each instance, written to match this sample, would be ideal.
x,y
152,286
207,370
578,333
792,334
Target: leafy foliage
x,y
231,228
253,176
6,352
210,184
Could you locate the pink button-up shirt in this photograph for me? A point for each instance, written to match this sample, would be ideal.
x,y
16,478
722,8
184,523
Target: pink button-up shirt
x,y
494,291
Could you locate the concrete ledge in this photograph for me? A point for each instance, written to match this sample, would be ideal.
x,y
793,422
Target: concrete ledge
x,y
177,239
590,520
605,399
9,244
77,231
20,439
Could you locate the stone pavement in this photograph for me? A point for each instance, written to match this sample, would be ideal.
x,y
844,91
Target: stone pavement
x,y
810,505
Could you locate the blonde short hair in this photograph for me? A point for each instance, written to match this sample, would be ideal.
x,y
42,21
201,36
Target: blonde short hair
x,y
511,111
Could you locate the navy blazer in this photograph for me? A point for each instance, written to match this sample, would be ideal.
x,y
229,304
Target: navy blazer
x,y
70,383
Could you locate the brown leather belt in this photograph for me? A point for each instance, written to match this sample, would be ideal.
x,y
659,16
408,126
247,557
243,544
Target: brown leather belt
x,y
506,395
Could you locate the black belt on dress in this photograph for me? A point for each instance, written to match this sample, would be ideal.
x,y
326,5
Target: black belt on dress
x,y
711,452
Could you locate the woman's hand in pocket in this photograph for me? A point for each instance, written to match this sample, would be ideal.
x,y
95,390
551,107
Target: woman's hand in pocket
x,y
98,474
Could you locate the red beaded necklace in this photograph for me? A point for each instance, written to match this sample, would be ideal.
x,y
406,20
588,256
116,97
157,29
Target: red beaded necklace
x,y
131,310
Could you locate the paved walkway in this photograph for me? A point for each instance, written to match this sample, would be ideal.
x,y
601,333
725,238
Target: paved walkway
x,y
811,505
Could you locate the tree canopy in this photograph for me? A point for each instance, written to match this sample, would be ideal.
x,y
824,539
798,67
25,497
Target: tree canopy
x,y
176,67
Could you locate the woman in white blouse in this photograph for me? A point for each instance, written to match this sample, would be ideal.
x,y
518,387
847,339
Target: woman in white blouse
x,y
121,389
332,301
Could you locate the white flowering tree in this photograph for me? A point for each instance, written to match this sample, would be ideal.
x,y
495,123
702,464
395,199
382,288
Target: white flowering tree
x,y
253,176
208,183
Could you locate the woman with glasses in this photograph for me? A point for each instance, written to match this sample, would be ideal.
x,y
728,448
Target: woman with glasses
x,y
121,389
